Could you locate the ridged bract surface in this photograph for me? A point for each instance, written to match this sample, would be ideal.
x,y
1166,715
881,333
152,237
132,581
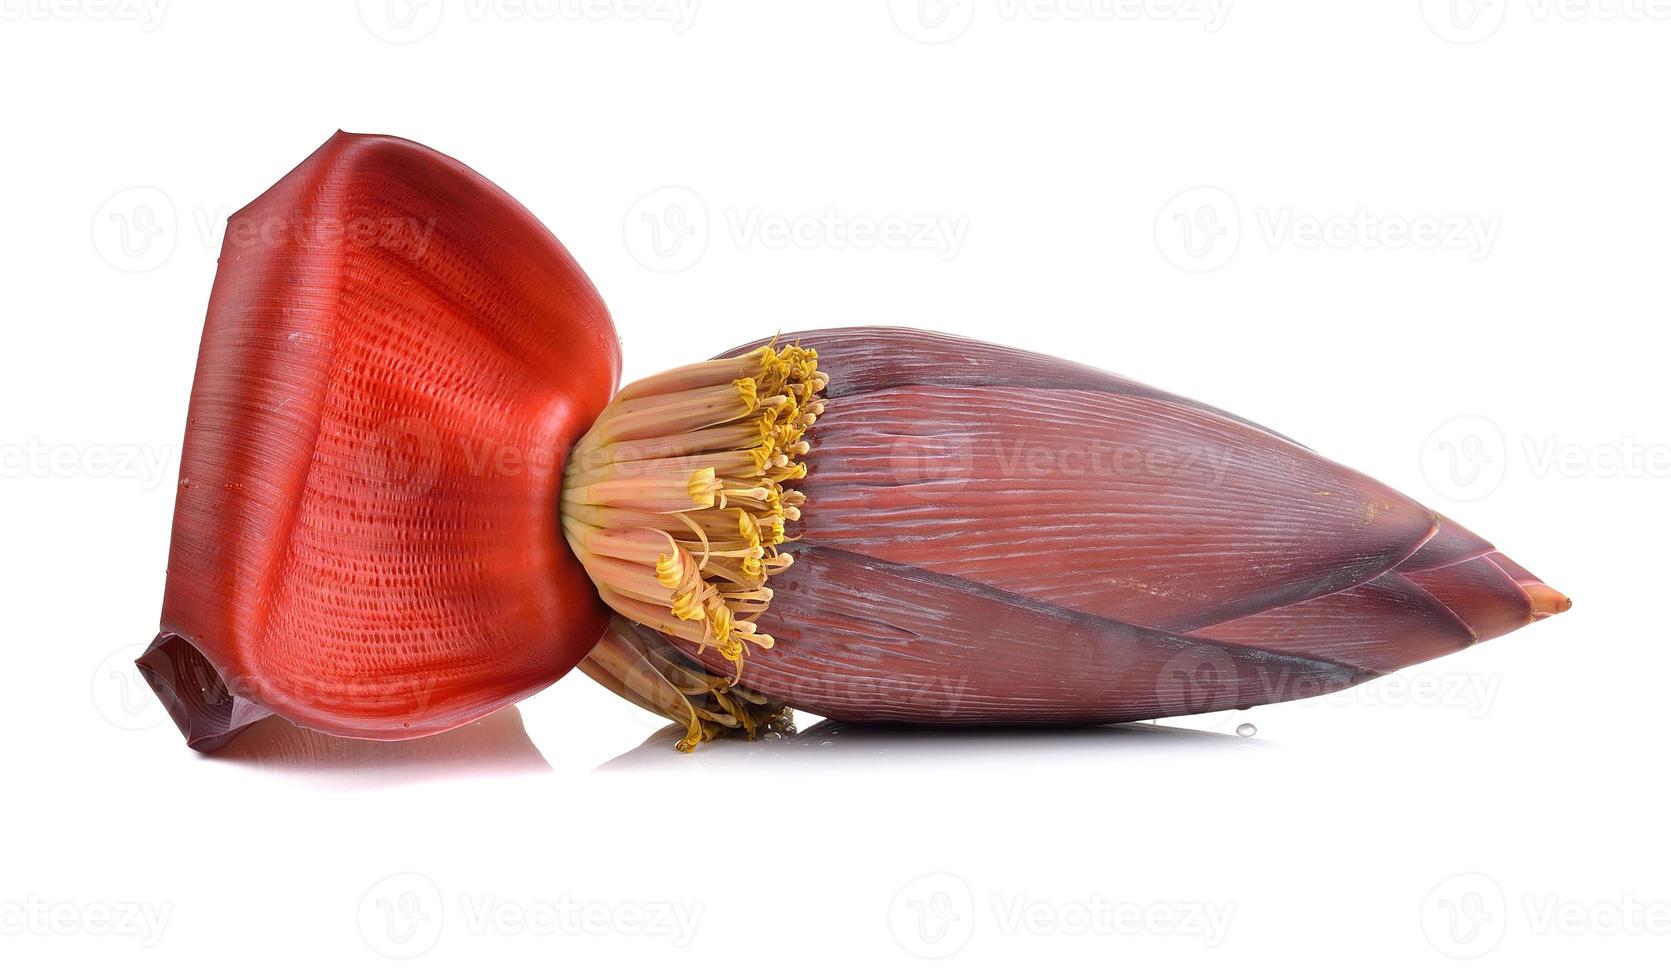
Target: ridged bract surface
x,y
396,359
997,536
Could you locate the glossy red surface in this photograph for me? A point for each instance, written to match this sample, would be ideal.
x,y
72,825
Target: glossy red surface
x,y
396,358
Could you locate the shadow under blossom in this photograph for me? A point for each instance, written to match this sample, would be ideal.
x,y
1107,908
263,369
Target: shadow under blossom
x,y
849,743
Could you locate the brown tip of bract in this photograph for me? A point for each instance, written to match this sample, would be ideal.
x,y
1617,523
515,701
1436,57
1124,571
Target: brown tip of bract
x,y
1546,601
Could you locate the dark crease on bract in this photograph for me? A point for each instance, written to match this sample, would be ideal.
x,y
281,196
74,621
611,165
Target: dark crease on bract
x,y
954,568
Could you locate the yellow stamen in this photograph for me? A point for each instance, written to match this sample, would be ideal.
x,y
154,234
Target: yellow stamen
x,y
649,671
702,486
687,605
669,570
649,494
746,388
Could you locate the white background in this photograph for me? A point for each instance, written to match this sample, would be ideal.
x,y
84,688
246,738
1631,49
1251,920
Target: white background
x,y
1428,240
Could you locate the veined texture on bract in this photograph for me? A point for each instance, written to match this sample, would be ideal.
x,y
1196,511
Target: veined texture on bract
x,y
396,360
990,535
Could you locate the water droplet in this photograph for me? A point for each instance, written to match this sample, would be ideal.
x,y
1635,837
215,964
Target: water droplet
x,y
1246,730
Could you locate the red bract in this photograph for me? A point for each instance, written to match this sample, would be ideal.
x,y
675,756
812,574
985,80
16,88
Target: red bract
x,y
396,359
990,535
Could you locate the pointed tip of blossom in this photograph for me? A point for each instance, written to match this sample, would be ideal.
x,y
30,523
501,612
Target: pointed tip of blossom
x,y
1546,601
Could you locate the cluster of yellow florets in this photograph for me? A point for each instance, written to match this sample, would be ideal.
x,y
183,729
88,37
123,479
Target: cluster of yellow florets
x,y
676,504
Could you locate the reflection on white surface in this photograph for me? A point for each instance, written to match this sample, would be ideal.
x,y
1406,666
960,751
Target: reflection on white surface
x,y
840,744
500,745
495,745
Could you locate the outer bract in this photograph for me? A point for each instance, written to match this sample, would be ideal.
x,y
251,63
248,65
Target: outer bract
x,y
396,360
989,535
